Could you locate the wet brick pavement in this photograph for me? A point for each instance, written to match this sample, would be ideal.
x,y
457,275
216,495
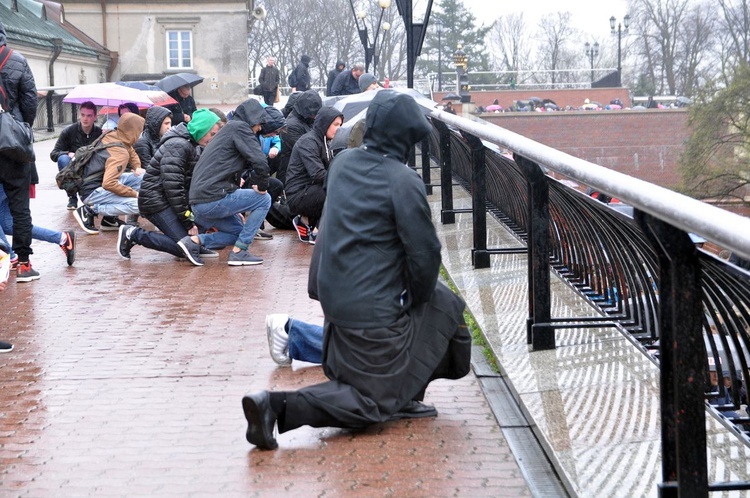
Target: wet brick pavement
x,y
127,377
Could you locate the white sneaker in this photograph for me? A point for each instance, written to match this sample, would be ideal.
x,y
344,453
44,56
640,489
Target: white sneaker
x,y
278,339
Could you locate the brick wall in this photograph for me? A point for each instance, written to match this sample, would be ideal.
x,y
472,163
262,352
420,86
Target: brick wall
x,y
644,144
573,97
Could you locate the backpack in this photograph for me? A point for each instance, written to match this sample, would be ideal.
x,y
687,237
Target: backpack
x,y
16,137
292,79
70,178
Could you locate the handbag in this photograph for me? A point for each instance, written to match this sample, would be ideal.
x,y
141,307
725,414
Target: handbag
x,y
278,95
16,137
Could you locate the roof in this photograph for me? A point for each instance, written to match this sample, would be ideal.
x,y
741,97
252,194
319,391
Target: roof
x,y
31,27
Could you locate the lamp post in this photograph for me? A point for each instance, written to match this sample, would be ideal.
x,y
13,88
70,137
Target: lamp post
x,y
371,54
439,26
591,52
461,61
621,28
416,19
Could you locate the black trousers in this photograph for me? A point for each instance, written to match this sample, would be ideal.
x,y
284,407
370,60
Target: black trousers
x,y
375,372
308,202
16,180
269,97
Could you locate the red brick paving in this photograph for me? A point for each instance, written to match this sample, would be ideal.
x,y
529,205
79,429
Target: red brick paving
x,y
127,377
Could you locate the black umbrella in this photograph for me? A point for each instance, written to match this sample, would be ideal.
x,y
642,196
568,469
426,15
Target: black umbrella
x,y
175,81
139,85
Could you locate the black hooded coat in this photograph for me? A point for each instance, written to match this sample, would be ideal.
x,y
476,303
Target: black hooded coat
x,y
298,122
301,74
389,327
234,149
148,142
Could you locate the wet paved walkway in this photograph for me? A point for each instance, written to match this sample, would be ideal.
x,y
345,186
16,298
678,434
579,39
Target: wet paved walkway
x,y
127,377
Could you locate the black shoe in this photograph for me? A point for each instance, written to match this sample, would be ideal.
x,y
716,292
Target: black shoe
x,y
191,250
124,244
110,224
72,202
415,409
25,273
5,347
69,246
85,217
261,420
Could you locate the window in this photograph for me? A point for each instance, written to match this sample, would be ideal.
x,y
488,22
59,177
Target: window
x,y
180,49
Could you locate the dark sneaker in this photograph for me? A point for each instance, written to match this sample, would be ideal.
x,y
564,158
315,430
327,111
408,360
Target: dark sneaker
x,y
110,224
132,219
26,273
72,202
124,244
302,230
85,217
313,237
69,246
260,235
243,258
191,249
5,347
208,253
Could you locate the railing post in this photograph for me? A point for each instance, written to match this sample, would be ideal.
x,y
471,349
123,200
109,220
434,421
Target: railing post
x,y
50,118
682,361
447,216
426,166
479,255
540,334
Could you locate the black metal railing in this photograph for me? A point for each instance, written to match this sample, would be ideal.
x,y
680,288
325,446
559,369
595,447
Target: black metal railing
x,y
688,309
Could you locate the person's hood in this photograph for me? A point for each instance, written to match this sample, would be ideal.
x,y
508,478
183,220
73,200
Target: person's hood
x,y
394,124
273,121
324,118
340,63
3,38
305,60
250,111
154,118
129,128
308,104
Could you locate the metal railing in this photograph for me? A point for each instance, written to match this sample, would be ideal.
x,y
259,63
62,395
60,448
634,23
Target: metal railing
x,y
688,310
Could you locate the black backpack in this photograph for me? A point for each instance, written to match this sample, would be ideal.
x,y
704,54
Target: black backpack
x,y
70,178
292,79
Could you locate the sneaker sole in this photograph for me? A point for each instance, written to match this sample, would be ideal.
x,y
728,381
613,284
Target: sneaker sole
x,y
71,208
7,350
83,227
244,263
103,228
189,256
120,235
27,279
211,255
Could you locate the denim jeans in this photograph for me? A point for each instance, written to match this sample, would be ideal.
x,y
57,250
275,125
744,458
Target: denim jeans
x,y
62,161
305,341
106,203
171,228
222,215
6,226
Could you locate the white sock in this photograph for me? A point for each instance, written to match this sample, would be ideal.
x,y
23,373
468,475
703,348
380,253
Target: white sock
x,y
63,239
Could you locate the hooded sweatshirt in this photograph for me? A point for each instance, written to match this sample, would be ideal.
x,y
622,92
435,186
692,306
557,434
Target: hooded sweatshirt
x,y
234,149
311,154
107,165
148,142
377,239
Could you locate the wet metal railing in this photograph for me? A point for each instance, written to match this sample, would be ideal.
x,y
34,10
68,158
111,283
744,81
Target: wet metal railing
x,y
688,309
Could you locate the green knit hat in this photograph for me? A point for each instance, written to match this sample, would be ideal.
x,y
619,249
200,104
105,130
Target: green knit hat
x,y
201,123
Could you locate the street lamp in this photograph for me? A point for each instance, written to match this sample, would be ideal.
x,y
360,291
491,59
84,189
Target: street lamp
x,y
461,61
621,28
371,54
591,52
416,16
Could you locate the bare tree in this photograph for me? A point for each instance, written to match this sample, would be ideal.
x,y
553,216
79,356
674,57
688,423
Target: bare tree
x,y
556,37
734,29
510,45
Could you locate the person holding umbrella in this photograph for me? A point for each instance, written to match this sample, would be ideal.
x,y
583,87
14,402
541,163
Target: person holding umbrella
x,y
183,110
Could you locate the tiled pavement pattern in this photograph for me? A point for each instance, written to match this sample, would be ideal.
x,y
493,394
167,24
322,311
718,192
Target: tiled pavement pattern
x,y
127,377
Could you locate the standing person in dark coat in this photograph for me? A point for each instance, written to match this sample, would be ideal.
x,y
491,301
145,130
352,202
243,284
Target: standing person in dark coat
x,y
158,122
269,81
185,106
390,328
300,78
15,177
308,168
347,82
163,196
340,65
74,136
298,122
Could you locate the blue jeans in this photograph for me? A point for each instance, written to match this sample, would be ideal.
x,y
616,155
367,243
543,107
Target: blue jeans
x,y
106,203
222,215
305,341
6,226
172,231
62,161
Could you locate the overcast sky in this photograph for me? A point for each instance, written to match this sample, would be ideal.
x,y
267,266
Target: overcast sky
x,y
591,16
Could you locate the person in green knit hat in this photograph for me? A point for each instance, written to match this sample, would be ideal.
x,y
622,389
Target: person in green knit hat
x,y
163,198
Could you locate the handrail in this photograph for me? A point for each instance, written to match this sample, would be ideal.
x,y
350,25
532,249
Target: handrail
x,y
727,229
